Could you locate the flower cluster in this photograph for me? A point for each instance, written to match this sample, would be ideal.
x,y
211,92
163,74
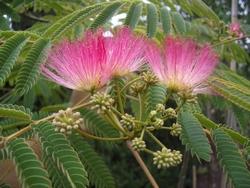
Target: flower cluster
x,y
66,120
235,30
138,144
102,102
88,64
175,129
167,158
128,122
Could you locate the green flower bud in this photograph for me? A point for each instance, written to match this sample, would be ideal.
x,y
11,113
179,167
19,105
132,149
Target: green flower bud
x,y
102,101
128,122
176,129
167,158
138,144
149,78
66,120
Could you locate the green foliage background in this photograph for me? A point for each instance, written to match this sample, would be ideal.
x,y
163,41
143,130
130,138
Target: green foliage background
x,y
29,28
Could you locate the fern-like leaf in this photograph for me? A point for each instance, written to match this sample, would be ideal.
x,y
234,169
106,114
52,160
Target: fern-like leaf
x,y
28,74
179,23
15,112
133,15
4,154
98,125
166,20
29,169
193,136
99,174
105,15
56,146
61,26
57,177
235,93
152,20
9,53
231,159
155,94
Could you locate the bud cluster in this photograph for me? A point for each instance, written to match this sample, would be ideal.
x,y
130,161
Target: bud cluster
x,y
128,122
102,101
155,120
137,87
149,78
168,113
167,158
66,120
138,144
175,129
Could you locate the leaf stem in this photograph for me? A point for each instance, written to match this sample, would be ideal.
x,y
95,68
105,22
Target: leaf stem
x,y
37,122
229,40
140,106
87,135
130,83
155,139
120,105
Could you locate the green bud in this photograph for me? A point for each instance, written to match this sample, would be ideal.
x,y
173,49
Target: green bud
x,y
176,129
138,144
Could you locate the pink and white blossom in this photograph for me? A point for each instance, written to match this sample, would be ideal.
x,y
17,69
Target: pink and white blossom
x,y
182,65
91,62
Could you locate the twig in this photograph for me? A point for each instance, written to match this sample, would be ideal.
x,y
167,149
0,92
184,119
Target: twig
x,y
183,172
142,165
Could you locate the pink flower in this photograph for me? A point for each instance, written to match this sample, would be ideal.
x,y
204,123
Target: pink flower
x,y
182,65
78,65
90,63
125,52
235,29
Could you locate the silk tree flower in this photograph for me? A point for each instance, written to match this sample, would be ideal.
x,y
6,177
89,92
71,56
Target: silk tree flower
x,y
235,29
124,52
90,63
78,65
182,65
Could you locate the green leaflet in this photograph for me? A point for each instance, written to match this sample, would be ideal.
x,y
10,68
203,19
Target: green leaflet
x,y
155,94
29,72
166,20
105,15
152,20
201,9
98,125
231,159
58,148
209,124
9,53
235,93
4,154
99,174
29,169
134,14
61,26
15,112
178,23
193,136
56,176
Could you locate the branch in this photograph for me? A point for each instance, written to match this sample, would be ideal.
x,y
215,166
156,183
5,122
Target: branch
x,y
142,165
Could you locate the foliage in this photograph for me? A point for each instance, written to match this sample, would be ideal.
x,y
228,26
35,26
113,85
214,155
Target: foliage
x,y
71,161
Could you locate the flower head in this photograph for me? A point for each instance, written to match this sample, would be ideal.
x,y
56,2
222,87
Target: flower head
x,y
125,52
235,29
182,65
90,63
78,65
